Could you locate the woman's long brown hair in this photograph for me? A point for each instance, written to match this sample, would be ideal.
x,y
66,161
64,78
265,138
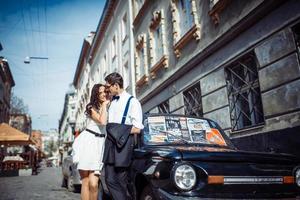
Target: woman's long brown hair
x,y
94,100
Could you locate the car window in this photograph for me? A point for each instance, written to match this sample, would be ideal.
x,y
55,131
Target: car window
x,y
180,129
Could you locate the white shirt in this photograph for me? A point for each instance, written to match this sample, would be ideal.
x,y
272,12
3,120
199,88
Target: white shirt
x,y
134,116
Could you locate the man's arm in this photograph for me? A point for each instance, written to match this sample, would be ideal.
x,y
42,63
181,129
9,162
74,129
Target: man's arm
x,y
136,116
135,130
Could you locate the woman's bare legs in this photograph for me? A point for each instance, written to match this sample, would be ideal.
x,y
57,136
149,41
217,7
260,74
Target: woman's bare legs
x,y
84,174
93,185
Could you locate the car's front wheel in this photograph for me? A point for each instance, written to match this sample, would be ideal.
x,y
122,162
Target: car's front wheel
x,y
147,193
70,184
63,182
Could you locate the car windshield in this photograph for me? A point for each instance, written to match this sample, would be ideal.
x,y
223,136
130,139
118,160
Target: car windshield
x,y
170,129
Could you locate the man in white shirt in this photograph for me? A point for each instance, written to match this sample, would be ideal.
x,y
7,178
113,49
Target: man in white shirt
x,y
117,177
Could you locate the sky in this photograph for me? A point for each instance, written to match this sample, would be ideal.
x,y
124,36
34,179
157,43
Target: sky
x,y
52,29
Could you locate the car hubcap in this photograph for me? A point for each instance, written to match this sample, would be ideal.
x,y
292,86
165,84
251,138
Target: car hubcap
x,y
70,183
148,197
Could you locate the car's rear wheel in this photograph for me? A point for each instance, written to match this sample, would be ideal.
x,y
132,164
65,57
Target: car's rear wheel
x,y
147,193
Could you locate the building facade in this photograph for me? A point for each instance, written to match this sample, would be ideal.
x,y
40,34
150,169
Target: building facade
x,y
111,50
50,143
105,51
236,62
82,83
36,135
21,122
67,121
6,84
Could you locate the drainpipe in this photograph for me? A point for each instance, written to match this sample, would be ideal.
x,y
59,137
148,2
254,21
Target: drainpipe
x,y
131,48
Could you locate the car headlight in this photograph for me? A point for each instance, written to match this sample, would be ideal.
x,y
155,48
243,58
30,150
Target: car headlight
x,y
297,177
185,177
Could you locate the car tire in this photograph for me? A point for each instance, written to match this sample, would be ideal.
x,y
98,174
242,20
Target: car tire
x,y
147,193
70,184
64,182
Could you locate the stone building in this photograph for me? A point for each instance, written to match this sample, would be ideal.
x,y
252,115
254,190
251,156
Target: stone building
x,y
236,62
67,121
36,135
111,50
21,122
83,83
105,51
6,84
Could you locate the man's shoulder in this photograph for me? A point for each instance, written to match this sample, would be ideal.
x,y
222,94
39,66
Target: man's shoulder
x,y
125,95
133,99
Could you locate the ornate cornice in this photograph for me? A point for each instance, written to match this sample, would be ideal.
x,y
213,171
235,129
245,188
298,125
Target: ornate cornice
x,y
143,80
216,9
162,63
141,13
194,32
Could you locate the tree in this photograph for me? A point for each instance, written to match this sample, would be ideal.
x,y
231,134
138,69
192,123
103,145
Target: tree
x,y
17,105
51,147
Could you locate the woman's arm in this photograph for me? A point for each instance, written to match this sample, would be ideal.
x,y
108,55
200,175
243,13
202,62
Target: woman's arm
x,y
100,117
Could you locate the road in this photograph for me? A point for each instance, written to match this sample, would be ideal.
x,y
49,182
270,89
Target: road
x,y
44,186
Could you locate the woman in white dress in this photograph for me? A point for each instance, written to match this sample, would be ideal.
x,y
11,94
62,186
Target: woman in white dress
x,y
88,147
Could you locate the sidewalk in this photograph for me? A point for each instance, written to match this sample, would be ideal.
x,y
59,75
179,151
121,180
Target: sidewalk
x,y
44,186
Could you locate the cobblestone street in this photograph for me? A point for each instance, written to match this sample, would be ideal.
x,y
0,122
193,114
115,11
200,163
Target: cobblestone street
x,y
44,186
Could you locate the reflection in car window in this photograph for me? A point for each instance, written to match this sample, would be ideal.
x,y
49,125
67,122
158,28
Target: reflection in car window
x,y
175,129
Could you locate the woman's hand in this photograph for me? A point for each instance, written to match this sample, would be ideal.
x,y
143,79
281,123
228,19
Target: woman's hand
x,y
106,103
100,117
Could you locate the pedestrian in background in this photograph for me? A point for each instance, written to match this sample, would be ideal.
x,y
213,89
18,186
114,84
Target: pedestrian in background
x,y
124,120
88,147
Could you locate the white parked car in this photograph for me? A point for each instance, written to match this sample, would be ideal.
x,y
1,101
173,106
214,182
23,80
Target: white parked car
x,y
71,177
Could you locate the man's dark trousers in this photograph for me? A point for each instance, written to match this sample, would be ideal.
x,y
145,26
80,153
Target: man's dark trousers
x,y
117,182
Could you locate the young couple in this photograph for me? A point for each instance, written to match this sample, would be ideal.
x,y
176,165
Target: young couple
x,y
114,116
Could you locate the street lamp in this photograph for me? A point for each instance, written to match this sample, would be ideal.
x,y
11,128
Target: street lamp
x,y
28,58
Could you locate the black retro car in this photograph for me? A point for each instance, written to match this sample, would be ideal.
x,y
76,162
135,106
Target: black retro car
x,y
180,157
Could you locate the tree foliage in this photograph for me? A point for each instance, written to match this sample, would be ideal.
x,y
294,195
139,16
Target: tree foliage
x,y
17,105
51,147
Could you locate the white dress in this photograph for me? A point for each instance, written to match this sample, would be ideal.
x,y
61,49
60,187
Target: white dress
x,y
88,149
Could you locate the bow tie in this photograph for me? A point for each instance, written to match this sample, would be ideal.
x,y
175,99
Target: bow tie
x,y
116,98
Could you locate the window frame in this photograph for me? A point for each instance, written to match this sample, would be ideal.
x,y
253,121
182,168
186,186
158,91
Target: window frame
x,y
141,44
126,76
164,106
216,7
296,34
157,63
199,106
249,84
105,66
113,48
124,23
179,41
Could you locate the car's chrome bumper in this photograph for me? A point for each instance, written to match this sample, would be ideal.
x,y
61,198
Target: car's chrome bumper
x,y
163,195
